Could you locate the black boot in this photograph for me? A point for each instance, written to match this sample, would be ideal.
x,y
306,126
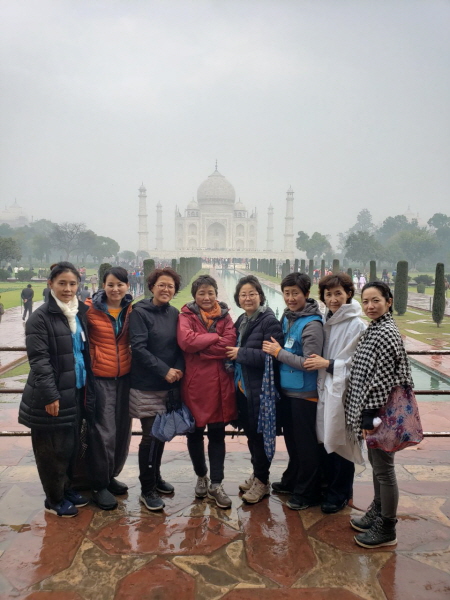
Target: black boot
x,y
382,533
162,486
366,521
148,459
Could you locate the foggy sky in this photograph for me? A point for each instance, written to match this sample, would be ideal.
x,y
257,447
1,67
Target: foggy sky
x,y
346,101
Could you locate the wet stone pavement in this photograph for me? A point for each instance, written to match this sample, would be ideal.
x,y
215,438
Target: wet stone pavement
x,y
194,550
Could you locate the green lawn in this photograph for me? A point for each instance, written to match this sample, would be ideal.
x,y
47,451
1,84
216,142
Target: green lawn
x,y
10,292
22,369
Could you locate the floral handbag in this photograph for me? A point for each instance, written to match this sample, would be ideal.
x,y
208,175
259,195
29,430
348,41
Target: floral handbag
x,y
400,422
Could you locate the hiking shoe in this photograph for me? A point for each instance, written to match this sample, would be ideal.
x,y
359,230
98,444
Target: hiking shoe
x,y
329,508
382,533
299,503
244,487
217,493
117,487
280,488
201,489
75,498
152,501
257,492
62,509
104,499
164,488
366,521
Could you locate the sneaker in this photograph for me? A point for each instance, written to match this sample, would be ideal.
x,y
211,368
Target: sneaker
x,y
382,533
76,498
63,509
299,503
152,501
201,489
104,499
329,508
244,487
257,492
117,487
164,488
280,488
217,493
366,521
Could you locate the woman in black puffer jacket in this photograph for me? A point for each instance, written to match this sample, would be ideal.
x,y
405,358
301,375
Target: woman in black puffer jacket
x,y
256,325
58,353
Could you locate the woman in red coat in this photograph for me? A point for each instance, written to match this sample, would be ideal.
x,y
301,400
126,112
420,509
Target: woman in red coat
x,y
205,329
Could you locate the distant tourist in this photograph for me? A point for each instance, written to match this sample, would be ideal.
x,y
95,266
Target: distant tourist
x,y
205,329
46,293
379,364
58,353
84,293
156,371
27,296
94,282
257,324
109,425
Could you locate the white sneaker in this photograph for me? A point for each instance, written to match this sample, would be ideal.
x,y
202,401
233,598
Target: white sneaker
x,y
257,492
244,487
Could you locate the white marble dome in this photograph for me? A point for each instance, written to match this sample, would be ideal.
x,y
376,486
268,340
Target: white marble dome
x,y
216,190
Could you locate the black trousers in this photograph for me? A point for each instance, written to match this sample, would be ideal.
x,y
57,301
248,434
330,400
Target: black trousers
x,y
27,308
255,441
109,433
339,474
150,455
216,451
54,451
299,425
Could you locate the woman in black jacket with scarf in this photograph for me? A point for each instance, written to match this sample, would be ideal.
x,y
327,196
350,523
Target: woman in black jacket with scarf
x,y
58,353
257,324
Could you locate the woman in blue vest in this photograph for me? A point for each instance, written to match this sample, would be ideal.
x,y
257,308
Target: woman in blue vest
x,y
303,336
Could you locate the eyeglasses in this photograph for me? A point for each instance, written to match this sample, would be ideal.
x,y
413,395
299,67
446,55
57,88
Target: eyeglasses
x,y
251,296
165,286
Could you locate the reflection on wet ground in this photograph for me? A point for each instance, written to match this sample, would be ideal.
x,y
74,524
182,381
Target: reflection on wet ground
x,y
193,550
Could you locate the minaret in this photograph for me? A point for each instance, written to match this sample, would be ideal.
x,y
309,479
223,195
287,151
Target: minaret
x,y
143,231
269,241
159,227
289,223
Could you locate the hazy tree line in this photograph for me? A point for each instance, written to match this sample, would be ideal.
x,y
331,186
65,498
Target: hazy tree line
x,y
395,239
46,241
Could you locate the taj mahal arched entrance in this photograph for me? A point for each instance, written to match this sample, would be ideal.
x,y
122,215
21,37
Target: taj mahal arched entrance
x,y
216,237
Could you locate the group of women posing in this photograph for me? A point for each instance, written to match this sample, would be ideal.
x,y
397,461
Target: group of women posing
x,y
111,362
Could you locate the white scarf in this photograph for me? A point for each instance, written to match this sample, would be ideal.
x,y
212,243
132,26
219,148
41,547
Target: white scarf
x,y
69,310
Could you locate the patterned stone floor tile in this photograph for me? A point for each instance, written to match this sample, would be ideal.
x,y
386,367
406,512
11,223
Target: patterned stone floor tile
x,y
203,508
159,579
52,596
16,506
45,547
429,473
335,531
224,570
178,535
93,573
18,474
311,516
425,506
405,579
417,534
431,488
438,560
356,573
291,594
276,542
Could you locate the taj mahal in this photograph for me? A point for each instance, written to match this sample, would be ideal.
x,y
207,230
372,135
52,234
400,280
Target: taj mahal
x,y
217,226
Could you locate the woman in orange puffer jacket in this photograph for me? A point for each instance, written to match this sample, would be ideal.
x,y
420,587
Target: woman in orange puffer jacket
x,y
109,424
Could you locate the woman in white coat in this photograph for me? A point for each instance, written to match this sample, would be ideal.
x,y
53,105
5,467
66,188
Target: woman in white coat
x,y
342,330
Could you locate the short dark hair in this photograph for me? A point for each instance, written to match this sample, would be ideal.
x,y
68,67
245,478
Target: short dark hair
x,y
301,280
383,288
119,272
63,267
337,280
157,273
203,280
251,280
29,285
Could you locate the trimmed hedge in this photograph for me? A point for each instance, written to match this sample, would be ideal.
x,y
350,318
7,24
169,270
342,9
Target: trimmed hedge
x,y
401,287
439,295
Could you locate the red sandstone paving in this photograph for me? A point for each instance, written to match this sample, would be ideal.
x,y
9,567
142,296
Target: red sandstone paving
x,y
403,578
291,594
46,596
43,548
158,580
276,542
178,535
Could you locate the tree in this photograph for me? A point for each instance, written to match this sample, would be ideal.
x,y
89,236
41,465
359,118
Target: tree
x,y
363,222
87,244
438,310
66,237
316,245
362,246
9,249
41,246
416,245
127,256
105,247
439,220
101,273
392,226
6,230
401,287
